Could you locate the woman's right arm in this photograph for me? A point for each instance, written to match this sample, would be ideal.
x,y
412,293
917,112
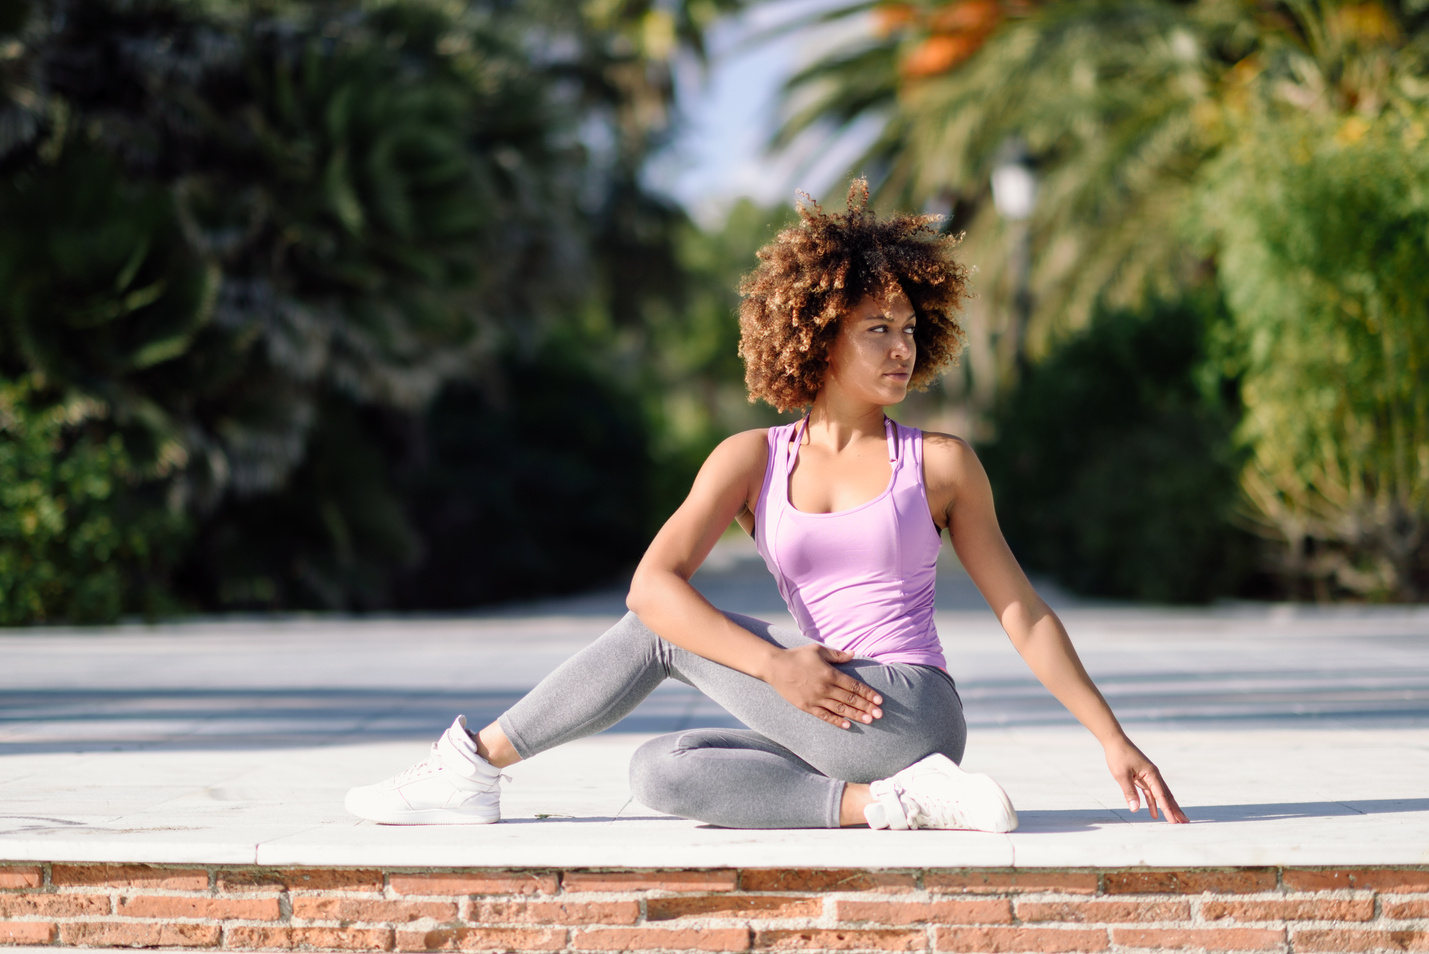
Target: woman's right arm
x,y
661,594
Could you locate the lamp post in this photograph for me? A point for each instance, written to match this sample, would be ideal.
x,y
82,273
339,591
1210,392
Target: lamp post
x,y
1014,193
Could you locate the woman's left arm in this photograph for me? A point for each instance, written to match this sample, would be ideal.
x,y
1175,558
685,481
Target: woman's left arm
x,y
958,488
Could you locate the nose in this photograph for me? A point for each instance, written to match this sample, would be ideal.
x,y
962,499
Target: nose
x,y
902,346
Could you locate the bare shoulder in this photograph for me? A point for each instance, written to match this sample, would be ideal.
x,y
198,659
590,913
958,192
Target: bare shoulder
x,y
745,447
947,458
741,454
951,473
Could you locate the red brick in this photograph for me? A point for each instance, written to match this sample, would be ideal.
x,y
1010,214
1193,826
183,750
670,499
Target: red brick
x,y
1344,940
52,905
658,939
1007,882
248,880
819,939
941,911
719,880
1209,939
555,912
494,882
1235,881
362,909
1404,910
997,940
1388,880
824,879
16,876
331,879
213,909
137,934
246,937
1291,909
733,906
26,932
1103,910
483,939
129,876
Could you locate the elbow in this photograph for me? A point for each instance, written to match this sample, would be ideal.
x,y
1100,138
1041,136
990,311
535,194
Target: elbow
x,y
638,599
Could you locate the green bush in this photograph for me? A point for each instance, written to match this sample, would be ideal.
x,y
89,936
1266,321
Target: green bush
x,y
537,486
84,536
1113,466
1320,226
263,238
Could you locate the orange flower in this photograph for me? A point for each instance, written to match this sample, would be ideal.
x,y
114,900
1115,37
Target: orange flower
x,y
939,53
889,18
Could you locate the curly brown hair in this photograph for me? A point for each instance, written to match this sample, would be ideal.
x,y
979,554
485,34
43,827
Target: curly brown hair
x,y
815,272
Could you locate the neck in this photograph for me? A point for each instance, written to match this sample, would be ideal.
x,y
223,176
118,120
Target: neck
x,y
840,421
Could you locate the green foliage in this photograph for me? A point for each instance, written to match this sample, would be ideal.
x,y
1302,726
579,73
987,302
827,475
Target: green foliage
x,y
84,536
1120,103
100,291
537,486
694,378
263,238
1114,468
334,538
1321,228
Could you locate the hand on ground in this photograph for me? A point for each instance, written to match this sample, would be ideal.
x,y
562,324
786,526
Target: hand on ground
x,y
806,677
1139,778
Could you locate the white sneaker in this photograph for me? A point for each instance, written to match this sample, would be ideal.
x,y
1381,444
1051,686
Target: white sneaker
x,y
453,786
934,793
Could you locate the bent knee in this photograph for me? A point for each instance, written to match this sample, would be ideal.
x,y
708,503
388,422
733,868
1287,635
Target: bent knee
x,y
655,776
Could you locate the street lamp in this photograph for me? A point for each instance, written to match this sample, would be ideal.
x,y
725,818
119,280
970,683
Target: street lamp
x,y
1014,193
1014,183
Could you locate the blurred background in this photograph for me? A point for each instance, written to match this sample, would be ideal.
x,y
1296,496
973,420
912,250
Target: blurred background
x,y
421,305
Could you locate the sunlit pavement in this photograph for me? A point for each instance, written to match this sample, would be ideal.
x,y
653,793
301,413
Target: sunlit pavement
x,y
1292,735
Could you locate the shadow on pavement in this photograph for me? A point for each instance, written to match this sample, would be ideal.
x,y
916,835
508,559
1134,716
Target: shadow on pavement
x,y
81,719
1354,806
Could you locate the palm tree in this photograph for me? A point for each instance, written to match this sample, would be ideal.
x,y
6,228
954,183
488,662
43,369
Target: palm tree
x,y
1121,103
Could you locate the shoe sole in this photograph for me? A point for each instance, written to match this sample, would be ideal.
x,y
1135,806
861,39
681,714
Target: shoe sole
x,y
1000,824
425,816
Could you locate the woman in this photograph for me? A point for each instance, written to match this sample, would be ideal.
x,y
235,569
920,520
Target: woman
x,y
853,718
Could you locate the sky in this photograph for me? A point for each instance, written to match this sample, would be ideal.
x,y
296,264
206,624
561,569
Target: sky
x,y
729,112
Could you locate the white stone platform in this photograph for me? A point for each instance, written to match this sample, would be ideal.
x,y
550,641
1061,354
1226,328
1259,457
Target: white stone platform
x,y
1292,736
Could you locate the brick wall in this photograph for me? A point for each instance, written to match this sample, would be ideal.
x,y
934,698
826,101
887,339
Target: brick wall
x,y
755,909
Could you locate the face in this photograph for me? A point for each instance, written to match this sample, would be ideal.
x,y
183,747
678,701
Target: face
x,y
872,357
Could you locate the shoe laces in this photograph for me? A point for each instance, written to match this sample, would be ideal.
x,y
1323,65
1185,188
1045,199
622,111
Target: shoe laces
x,y
931,812
428,766
432,764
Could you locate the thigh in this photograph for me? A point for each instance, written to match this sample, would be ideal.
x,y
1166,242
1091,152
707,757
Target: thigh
x,y
922,713
735,778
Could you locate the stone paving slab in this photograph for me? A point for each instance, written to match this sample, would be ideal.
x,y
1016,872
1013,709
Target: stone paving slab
x,y
1292,735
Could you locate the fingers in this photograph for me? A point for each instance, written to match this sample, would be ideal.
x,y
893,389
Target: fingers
x,y
840,706
1150,798
823,691
1159,800
844,710
858,695
1156,787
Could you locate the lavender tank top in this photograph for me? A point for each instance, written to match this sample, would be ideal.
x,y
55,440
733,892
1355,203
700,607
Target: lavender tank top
x,y
860,580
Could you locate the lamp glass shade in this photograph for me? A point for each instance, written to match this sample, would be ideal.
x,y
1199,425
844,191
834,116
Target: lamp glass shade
x,y
1014,190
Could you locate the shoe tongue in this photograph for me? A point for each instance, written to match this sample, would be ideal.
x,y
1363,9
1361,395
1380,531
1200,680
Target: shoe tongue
x,y
458,753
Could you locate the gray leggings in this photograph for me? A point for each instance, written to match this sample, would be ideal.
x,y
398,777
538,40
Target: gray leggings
x,y
787,770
